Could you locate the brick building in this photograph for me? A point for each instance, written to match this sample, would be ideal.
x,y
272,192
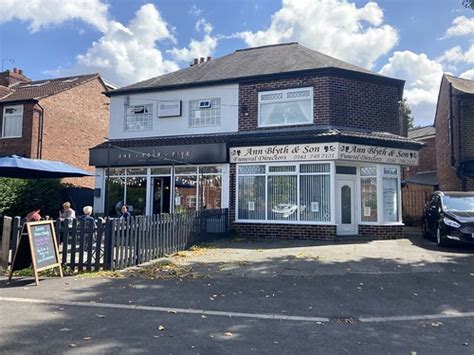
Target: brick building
x,y
295,143
53,119
420,181
454,122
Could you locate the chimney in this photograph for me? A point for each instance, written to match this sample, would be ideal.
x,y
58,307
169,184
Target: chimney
x,y
11,77
208,59
201,60
195,62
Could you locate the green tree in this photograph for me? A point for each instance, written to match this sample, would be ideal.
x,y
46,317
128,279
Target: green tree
x,y
468,4
406,114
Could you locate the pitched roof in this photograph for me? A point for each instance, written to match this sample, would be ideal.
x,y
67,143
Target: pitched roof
x,y
464,85
421,132
247,63
4,91
282,136
39,89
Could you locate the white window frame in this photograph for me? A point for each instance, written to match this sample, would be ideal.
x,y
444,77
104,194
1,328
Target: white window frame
x,y
130,115
20,115
284,94
331,173
198,109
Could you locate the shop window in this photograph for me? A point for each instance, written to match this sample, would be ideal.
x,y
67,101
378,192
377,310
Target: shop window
x,y
210,190
161,171
139,117
285,107
368,193
205,112
12,122
135,196
284,192
391,188
116,197
185,193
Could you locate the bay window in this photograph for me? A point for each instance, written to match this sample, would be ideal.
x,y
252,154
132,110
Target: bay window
x,y
290,192
390,184
285,107
368,193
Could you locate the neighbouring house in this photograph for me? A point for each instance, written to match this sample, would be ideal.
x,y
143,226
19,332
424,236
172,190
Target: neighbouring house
x,y
454,123
295,143
53,119
419,181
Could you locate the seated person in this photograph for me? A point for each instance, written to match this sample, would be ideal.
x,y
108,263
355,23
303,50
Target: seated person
x,y
34,216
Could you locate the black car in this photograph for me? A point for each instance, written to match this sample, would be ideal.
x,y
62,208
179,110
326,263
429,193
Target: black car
x,y
449,216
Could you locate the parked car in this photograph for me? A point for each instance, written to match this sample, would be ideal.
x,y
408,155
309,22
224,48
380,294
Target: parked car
x,y
449,216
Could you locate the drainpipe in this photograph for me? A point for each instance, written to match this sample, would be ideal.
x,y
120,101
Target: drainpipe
x,y
451,134
39,147
460,168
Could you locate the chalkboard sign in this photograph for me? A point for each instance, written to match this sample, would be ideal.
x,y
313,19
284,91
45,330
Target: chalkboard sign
x,y
38,248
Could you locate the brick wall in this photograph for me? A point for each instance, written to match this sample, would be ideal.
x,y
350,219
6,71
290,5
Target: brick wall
x,y
26,145
427,160
337,101
465,109
446,173
284,231
381,232
74,121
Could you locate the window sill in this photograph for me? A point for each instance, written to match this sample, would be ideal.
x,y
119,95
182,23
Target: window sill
x,y
254,221
285,125
15,137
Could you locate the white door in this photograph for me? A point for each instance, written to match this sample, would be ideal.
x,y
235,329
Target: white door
x,y
345,206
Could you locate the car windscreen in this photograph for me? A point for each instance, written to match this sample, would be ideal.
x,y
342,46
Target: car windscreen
x,y
458,203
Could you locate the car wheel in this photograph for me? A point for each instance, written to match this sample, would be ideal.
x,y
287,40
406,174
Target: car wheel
x,y
424,230
440,240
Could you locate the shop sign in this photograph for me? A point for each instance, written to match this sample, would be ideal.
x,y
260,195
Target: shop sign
x,y
323,151
169,108
159,155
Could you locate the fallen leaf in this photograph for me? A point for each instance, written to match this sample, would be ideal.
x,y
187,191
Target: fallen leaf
x,y
465,344
86,338
203,316
161,327
436,324
228,334
72,345
100,316
65,330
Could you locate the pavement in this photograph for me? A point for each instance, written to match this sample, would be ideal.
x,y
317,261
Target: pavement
x,y
401,296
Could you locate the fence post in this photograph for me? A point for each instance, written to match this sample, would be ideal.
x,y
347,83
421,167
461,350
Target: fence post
x,y
16,231
5,246
109,244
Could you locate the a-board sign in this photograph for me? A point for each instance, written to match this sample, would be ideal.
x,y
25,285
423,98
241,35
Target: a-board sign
x,y
37,248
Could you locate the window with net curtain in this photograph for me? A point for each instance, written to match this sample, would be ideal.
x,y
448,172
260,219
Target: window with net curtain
x,y
283,199
390,194
286,107
368,193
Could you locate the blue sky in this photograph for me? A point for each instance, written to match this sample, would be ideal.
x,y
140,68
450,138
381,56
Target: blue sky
x,y
132,40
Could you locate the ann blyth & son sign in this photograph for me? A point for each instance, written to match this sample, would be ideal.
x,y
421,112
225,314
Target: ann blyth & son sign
x,y
324,151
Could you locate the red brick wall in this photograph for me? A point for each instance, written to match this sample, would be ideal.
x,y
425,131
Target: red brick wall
x,y
427,161
26,145
74,121
381,232
337,101
446,173
466,113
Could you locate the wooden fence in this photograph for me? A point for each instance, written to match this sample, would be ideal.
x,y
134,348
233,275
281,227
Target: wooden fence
x,y
112,244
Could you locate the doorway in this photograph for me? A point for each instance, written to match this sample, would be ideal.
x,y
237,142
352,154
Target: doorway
x,y
345,202
161,194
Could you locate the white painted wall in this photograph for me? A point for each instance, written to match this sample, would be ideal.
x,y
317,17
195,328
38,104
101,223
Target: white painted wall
x,y
176,125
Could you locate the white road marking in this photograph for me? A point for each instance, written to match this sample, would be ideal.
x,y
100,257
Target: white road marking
x,y
445,315
166,309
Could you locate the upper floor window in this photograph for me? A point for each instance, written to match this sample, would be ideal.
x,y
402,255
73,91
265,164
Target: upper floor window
x,y
206,112
139,117
285,107
12,121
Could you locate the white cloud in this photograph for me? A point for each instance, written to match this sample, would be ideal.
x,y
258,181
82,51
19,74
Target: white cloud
x,y
196,48
126,54
45,13
423,77
461,26
468,74
334,27
457,55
